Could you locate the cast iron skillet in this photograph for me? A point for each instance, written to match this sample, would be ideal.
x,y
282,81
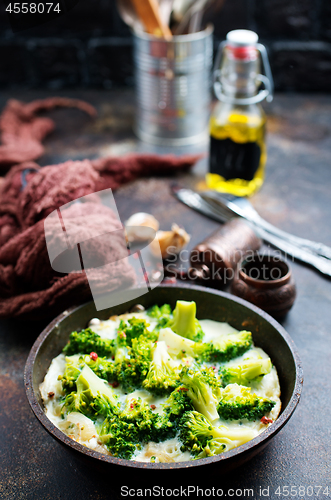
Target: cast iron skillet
x,y
211,304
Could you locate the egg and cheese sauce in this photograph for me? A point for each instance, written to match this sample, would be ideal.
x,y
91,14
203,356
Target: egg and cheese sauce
x,y
83,430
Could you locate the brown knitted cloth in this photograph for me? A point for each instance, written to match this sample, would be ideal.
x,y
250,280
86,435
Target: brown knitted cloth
x,y
29,287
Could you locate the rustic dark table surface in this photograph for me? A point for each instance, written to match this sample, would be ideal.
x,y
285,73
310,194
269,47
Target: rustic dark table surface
x,y
296,197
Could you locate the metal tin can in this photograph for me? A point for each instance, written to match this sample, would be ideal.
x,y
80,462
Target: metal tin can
x,y
173,87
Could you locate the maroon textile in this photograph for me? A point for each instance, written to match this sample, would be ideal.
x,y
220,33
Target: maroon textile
x,y
29,287
22,130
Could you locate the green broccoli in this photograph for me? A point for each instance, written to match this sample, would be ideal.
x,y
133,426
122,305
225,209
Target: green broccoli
x,y
120,347
246,371
71,373
180,346
134,425
133,369
203,439
93,396
163,375
134,328
224,348
237,402
184,321
133,346
152,426
204,390
87,341
132,357
121,438
161,314
102,367
227,347
177,403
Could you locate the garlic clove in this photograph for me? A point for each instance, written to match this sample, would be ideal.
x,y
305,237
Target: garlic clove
x,y
170,242
141,227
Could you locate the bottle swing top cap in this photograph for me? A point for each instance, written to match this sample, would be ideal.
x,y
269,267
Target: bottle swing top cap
x,y
242,38
242,44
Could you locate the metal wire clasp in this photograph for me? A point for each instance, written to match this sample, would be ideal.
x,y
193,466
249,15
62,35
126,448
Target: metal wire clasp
x,y
265,79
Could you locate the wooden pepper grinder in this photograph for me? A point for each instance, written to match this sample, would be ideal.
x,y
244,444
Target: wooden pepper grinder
x,y
216,257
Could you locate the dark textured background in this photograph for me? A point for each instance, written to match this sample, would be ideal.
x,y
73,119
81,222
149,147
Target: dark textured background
x,y
90,47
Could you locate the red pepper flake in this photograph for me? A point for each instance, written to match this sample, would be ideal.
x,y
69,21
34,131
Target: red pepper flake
x,y
184,389
214,368
266,420
114,384
153,407
51,394
133,404
93,356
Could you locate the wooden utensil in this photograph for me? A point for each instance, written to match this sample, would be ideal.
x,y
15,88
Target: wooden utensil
x,y
149,14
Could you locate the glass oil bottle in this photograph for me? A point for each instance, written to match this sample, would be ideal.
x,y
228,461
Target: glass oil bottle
x,y
238,150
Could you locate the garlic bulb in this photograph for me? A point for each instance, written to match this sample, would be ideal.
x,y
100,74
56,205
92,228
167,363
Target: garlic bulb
x,y
141,227
170,242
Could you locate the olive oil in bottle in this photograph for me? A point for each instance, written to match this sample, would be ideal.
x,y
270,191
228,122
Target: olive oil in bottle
x,y
237,126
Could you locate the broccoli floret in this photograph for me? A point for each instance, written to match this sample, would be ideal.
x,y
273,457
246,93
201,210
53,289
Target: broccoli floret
x,y
203,439
152,426
132,353
132,358
158,312
180,346
120,347
134,328
93,396
161,314
227,347
177,403
74,364
237,402
102,367
133,369
124,433
203,389
163,375
184,322
245,372
120,437
71,373
87,341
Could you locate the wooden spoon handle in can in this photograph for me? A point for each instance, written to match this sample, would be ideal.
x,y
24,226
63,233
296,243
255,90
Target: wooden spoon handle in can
x,y
149,14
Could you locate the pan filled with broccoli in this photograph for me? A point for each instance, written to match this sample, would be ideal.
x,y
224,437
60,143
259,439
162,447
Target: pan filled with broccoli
x,y
159,385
